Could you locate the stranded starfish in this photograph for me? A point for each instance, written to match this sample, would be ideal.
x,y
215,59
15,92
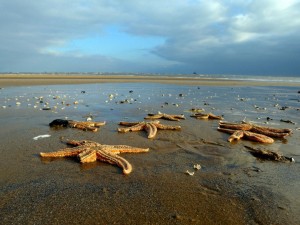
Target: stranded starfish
x,y
90,151
238,134
165,116
82,125
253,132
207,116
150,127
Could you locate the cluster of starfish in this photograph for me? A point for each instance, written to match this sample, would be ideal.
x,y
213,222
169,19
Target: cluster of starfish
x,y
90,151
150,127
252,132
82,125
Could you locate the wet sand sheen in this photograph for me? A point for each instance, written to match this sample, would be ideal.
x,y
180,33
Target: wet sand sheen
x,y
229,189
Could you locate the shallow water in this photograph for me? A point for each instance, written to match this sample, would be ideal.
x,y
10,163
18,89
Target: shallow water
x,y
232,186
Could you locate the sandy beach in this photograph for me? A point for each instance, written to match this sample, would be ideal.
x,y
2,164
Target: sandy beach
x,y
45,79
232,186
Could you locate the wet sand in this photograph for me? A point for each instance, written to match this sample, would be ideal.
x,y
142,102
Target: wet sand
x,y
232,186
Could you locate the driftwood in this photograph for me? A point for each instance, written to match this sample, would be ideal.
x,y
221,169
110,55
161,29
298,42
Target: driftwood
x,y
268,155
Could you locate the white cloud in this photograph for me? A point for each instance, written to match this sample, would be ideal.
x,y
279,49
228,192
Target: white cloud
x,y
212,36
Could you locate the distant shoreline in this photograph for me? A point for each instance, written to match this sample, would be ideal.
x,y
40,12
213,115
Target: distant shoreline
x,y
7,80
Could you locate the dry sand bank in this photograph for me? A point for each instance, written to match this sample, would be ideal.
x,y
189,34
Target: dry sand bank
x,y
42,79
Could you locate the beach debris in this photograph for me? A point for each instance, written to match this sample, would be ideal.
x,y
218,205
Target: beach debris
x,y
90,151
160,115
82,125
124,101
197,167
287,121
41,136
265,154
190,173
252,132
207,116
284,107
150,127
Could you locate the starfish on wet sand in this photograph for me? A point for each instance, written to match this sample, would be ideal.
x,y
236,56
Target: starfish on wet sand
x,y
207,116
252,132
82,125
238,134
150,127
160,115
269,131
90,151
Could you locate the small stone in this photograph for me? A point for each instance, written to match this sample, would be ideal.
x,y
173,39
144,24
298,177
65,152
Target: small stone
x,y
197,166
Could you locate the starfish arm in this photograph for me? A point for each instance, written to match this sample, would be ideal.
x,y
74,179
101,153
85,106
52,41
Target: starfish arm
x,y
116,149
87,156
179,116
213,116
93,124
154,116
235,126
151,130
237,135
258,137
128,123
228,131
66,152
201,115
114,159
82,126
167,127
137,127
261,130
170,117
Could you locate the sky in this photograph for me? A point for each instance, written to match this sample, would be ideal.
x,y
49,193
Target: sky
x,y
251,37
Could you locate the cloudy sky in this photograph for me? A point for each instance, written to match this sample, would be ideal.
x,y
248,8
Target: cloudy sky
x,y
256,37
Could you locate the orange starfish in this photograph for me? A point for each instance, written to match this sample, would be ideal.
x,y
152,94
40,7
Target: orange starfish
x,y
90,151
150,127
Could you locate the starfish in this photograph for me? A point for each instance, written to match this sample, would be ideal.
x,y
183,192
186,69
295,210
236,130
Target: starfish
x,y
207,116
90,151
150,127
165,116
238,134
268,131
252,132
82,125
